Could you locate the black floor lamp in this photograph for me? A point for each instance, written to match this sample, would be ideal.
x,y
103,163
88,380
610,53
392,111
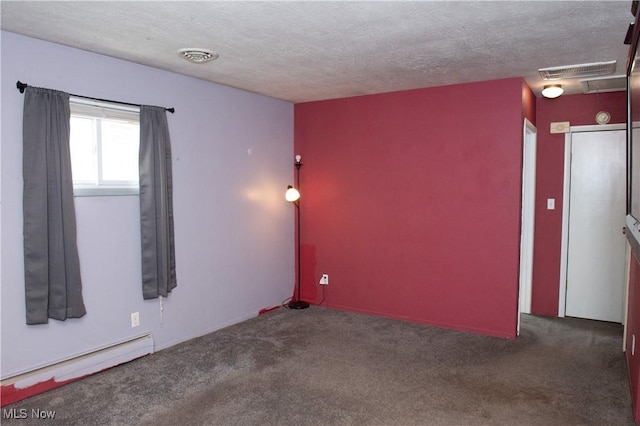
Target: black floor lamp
x,y
293,196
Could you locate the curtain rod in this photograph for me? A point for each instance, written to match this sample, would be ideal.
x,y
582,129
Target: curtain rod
x,y
21,86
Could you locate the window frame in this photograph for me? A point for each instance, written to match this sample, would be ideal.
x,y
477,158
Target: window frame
x,y
99,111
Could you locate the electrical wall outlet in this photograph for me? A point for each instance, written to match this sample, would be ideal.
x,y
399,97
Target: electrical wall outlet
x,y
135,319
324,280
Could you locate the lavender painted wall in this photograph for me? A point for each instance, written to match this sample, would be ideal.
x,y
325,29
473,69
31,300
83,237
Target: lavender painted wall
x,y
232,159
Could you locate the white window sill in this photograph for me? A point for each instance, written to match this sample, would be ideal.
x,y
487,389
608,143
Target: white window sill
x,y
104,191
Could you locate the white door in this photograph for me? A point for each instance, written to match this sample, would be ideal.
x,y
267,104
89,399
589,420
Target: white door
x,y
596,245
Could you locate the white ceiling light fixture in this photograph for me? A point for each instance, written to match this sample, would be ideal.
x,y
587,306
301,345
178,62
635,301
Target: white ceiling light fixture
x,y
198,55
552,91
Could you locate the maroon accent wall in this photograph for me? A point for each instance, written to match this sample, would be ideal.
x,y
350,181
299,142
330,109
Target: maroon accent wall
x,y
579,110
633,329
411,203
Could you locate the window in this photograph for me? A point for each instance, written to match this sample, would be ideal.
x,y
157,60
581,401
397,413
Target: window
x,y
105,140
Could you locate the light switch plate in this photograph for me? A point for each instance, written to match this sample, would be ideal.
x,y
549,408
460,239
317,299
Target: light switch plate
x,y
551,203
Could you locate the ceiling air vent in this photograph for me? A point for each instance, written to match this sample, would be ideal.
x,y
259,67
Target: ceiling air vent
x,y
595,69
614,83
197,55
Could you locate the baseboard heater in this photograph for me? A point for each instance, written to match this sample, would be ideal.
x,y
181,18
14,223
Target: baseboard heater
x,y
52,376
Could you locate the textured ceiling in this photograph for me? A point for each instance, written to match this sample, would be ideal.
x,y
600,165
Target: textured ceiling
x,y
305,51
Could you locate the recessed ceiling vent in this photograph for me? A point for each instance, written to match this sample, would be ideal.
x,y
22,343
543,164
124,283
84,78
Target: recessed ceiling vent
x,y
197,55
596,69
614,83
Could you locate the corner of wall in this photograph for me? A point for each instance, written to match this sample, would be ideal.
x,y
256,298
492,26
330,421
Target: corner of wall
x,y
528,103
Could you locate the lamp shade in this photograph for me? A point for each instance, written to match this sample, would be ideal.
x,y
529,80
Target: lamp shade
x,y
292,194
552,91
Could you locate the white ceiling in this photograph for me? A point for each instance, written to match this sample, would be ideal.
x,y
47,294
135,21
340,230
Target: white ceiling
x,y
305,51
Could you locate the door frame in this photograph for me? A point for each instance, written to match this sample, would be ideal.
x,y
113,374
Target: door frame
x,y
529,151
564,254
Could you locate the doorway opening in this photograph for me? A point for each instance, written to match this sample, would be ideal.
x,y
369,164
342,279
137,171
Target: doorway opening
x,y
527,219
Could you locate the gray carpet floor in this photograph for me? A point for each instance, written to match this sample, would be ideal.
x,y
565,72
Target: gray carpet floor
x,y
325,367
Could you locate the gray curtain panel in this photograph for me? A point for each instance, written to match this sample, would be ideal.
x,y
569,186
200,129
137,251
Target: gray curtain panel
x,y
156,204
53,288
